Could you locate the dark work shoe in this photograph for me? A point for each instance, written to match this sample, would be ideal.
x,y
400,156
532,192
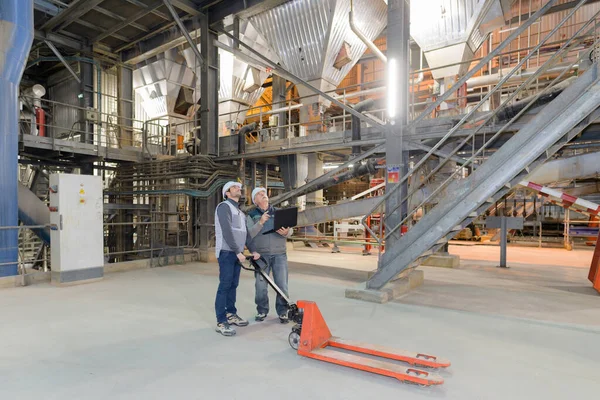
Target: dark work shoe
x,y
283,318
224,329
234,319
260,317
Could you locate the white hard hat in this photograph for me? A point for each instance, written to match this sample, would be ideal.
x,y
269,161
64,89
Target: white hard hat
x,y
229,185
257,191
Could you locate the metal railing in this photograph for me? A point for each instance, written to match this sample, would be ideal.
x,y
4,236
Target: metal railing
x,y
466,118
24,260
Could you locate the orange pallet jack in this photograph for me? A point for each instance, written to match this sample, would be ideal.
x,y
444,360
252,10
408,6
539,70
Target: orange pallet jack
x,y
311,338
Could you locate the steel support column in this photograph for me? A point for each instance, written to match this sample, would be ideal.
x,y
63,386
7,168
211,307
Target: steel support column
x,y
265,178
279,96
209,134
209,77
398,34
125,112
253,176
86,100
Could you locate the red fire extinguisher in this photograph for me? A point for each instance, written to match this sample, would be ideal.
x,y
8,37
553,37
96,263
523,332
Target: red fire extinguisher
x,y
40,120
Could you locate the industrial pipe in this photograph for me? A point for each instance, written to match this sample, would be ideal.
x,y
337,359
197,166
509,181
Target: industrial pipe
x,y
493,79
242,136
363,38
353,172
509,111
360,107
16,36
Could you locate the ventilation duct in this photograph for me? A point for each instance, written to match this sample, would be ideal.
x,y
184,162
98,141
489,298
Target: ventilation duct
x,y
450,31
166,86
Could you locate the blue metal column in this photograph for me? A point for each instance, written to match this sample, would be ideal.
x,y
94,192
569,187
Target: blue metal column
x,y
16,36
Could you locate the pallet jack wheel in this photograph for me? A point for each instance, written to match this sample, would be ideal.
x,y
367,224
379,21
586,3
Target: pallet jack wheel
x,y
294,340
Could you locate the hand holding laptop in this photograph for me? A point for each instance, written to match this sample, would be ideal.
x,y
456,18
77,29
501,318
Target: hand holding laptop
x,y
283,219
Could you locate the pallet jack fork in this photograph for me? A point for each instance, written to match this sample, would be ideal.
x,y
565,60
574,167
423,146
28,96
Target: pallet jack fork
x,y
311,338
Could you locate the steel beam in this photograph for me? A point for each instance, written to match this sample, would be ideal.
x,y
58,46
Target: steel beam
x,y
62,60
317,215
61,40
76,9
186,6
46,7
184,32
151,7
119,18
145,6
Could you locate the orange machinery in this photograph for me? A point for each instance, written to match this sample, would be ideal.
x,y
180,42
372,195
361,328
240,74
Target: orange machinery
x,y
311,338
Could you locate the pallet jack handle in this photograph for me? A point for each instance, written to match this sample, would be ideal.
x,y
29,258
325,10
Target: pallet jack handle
x,y
259,266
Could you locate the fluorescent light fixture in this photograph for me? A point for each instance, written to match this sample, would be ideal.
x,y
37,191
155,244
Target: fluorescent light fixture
x,y
392,95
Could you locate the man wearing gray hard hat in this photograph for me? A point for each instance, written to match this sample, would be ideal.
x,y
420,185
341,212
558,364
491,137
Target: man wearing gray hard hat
x,y
273,248
231,236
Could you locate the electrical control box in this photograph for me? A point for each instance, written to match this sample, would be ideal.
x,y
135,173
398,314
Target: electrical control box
x,y
77,245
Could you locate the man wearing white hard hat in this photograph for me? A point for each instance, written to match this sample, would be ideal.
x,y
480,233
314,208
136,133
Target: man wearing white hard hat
x,y
231,236
272,246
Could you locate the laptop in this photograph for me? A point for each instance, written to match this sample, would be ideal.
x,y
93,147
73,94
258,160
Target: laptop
x,y
284,218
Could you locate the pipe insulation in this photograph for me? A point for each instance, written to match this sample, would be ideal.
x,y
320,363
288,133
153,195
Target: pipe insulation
x,y
16,36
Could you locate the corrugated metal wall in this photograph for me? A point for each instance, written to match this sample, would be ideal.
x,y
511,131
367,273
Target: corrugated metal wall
x,y
64,117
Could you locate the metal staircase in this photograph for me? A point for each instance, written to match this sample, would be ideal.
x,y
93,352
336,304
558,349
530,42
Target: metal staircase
x,y
492,177
32,249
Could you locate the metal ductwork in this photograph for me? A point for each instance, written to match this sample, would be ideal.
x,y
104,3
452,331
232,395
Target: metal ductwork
x,y
16,36
450,31
308,36
166,86
240,84
576,167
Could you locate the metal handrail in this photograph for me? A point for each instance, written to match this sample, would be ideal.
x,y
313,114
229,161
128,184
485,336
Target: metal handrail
x,y
483,147
544,67
466,117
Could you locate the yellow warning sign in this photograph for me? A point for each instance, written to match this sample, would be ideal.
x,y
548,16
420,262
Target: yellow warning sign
x,y
81,191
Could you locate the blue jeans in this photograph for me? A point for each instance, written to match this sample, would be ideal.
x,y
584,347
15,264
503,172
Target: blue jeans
x,y
278,264
229,278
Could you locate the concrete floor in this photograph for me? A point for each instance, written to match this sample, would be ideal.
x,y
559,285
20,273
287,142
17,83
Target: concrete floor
x,y
541,284
149,334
